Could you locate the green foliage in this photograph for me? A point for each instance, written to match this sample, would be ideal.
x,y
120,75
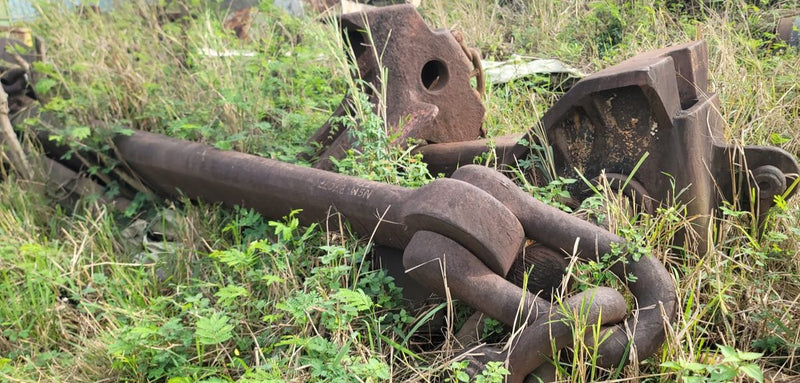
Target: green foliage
x,y
553,193
373,156
606,24
256,288
213,330
331,363
493,372
458,372
733,364
168,77
598,272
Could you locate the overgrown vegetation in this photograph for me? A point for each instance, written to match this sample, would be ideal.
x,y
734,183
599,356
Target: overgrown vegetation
x,y
182,291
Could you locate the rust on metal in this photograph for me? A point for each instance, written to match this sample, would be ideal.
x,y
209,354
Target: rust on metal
x,y
789,30
651,123
427,82
658,103
540,269
389,214
653,288
441,261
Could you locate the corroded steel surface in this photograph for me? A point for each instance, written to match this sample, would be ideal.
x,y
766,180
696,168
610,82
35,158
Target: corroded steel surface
x,y
445,264
657,104
653,287
427,83
650,123
389,214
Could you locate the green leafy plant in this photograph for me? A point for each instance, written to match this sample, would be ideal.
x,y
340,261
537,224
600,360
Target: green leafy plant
x,y
493,372
733,364
213,330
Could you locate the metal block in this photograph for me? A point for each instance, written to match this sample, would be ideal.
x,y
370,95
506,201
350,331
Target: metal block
x,y
427,83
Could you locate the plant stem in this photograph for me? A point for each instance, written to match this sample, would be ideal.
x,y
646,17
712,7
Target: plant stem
x,y
7,135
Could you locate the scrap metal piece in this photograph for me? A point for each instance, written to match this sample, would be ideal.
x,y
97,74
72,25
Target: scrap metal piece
x,y
428,91
650,119
388,214
650,122
789,30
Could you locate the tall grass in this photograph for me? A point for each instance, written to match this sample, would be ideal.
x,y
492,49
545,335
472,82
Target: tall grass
x,y
191,292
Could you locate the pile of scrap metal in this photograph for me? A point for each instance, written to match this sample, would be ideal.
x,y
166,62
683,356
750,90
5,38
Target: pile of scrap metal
x,y
648,125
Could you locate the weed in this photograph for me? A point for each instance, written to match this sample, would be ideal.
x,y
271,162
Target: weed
x,y
733,364
493,372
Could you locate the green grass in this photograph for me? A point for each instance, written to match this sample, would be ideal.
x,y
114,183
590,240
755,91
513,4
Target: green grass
x,y
181,291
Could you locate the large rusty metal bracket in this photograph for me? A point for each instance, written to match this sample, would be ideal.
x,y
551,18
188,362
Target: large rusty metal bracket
x,y
655,109
427,82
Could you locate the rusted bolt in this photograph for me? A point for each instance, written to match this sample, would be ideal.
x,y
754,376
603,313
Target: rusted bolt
x,y
771,182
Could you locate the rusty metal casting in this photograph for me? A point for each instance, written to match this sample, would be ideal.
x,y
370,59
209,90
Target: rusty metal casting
x,y
176,167
428,91
658,104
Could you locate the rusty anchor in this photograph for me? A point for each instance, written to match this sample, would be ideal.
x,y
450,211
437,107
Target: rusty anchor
x,y
428,91
448,216
655,104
